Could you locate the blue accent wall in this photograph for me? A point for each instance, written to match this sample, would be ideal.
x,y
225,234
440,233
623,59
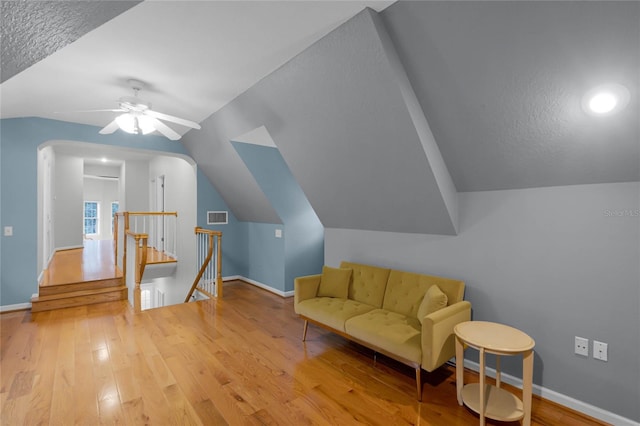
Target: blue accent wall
x,y
266,255
19,142
234,233
249,249
303,234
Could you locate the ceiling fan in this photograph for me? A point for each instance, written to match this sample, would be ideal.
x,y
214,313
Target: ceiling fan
x,y
138,118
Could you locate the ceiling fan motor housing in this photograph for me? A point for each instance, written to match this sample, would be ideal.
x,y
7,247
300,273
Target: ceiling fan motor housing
x,y
132,103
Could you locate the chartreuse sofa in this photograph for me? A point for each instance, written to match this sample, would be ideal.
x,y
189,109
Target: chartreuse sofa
x,y
406,316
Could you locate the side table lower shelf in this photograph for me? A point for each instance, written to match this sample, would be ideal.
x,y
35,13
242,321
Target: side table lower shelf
x,y
500,405
488,400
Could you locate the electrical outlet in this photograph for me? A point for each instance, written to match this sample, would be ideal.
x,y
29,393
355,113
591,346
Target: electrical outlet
x,y
8,231
600,350
581,346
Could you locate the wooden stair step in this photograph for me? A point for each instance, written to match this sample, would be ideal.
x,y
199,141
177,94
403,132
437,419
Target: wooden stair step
x,y
47,290
78,298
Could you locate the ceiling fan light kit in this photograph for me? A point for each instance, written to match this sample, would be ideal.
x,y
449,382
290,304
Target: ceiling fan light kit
x,y
138,118
135,123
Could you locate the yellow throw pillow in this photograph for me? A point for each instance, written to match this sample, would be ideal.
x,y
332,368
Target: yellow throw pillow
x,y
434,299
334,282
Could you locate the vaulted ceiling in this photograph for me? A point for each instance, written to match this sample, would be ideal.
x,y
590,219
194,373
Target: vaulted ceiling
x,y
382,119
502,83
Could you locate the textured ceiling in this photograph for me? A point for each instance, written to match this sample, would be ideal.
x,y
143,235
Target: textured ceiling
x,y
195,56
31,31
501,85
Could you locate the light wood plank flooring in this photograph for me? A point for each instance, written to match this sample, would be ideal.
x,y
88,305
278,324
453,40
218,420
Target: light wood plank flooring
x,y
79,277
93,262
238,361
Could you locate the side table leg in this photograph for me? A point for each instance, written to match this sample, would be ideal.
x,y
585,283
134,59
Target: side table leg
x,y
483,403
527,384
459,369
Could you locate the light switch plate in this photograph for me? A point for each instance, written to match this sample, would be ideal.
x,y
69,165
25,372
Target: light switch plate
x,y
8,231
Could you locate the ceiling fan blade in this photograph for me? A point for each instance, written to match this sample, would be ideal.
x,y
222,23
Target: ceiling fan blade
x,y
165,130
109,128
172,119
92,110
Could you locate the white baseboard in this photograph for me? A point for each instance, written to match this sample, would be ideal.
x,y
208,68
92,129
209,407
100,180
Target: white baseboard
x,y
551,395
46,266
259,284
68,248
16,307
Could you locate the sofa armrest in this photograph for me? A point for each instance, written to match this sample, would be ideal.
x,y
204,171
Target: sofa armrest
x,y
305,288
438,339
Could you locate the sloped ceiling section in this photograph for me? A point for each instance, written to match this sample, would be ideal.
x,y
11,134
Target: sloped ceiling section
x,y
217,158
33,30
339,114
502,83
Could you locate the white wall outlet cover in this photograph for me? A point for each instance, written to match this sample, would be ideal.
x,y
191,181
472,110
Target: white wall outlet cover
x,y
278,233
8,231
581,346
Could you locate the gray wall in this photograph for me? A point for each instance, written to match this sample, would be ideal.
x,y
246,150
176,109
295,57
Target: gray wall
x,y
68,201
136,184
555,262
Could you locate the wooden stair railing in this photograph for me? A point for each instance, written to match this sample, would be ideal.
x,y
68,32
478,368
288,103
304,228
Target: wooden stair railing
x,y
140,264
142,249
125,217
212,287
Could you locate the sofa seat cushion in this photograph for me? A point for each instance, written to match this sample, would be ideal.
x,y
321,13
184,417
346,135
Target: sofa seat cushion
x,y
393,332
331,311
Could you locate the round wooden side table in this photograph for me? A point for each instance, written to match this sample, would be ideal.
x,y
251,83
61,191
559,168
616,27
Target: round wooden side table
x,y
485,399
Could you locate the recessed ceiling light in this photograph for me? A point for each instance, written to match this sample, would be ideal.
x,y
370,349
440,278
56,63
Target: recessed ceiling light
x,y
605,100
104,159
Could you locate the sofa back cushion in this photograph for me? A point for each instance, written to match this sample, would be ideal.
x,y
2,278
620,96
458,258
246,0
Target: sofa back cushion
x,y
434,300
368,283
405,291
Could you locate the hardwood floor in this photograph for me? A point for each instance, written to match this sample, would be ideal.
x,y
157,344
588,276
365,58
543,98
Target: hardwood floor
x,y
154,256
93,262
80,276
238,361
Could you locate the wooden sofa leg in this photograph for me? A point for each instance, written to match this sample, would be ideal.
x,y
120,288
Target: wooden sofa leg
x,y
304,330
419,382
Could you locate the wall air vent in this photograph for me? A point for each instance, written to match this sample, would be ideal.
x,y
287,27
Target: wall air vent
x,y
217,218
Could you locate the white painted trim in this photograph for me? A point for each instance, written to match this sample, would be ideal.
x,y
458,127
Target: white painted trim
x,y
551,395
259,284
41,276
16,307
